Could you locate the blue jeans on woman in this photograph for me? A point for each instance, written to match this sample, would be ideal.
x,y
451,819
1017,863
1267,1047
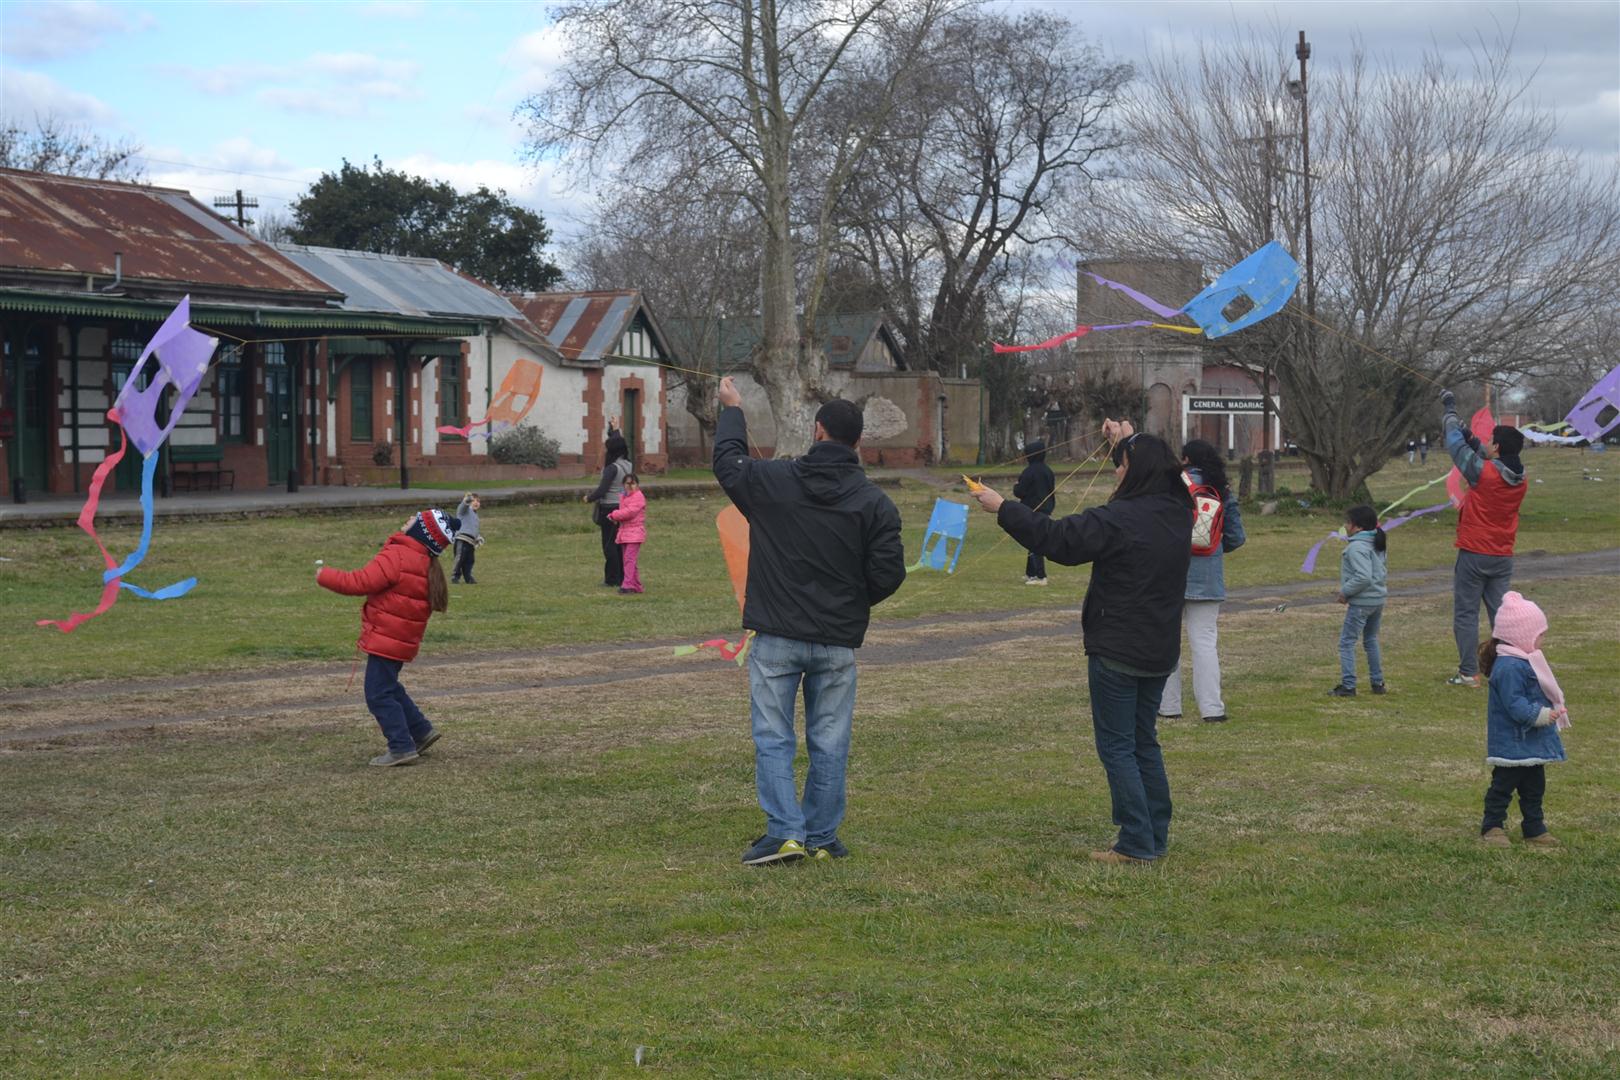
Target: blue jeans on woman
x,y
1360,622
402,723
1123,718
777,666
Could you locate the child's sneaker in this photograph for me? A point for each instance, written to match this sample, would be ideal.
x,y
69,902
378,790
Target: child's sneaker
x,y
1495,838
427,741
1460,679
391,758
1038,581
1545,840
1379,688
1342,691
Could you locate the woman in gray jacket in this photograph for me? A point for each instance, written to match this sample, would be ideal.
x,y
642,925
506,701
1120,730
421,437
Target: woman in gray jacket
x,y
1206,589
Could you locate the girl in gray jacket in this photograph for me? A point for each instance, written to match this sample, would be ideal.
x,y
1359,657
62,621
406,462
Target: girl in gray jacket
x,y
1362,589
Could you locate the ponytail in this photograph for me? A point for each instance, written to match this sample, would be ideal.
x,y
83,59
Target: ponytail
x,y
438,591
1380,542
1487,657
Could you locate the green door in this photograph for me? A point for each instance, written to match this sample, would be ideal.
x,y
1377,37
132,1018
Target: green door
x,y
31,417
632,424
279,435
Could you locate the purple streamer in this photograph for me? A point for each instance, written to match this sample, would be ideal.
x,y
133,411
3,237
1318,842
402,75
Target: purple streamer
x,y
1309,565
1141,298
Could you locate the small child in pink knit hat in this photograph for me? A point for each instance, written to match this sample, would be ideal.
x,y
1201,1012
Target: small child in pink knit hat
x,y
1523,716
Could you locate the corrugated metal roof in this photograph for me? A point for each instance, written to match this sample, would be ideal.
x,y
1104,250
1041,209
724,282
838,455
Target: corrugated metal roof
x,y
399,284
584,326
843,337
65,224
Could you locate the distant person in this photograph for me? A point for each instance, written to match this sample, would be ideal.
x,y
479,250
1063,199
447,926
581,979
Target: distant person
x,y
1423,449
631,518
403,585
608,492
1037,489
1411,451
1206,590
824,548
467,539
1522,717
1139,545
1363,588
1487,528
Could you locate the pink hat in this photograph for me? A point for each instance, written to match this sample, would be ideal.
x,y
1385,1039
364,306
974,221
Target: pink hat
x,y
1519,623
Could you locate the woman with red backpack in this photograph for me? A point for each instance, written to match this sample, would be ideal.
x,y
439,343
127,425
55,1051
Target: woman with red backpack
x,y
1217,529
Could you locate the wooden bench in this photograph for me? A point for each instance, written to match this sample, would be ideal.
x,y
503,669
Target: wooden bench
x,y
200,458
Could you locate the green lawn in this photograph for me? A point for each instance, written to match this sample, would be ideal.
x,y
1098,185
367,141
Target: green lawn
x,y
557,885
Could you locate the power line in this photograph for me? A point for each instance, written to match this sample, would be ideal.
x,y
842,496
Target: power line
x,y
219,169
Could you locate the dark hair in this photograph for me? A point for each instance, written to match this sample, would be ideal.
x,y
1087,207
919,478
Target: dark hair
x,y
1364,517
617,448
438,591
1036,450
631,478
1206,459
1150,469
1487,657
842,421
1509,440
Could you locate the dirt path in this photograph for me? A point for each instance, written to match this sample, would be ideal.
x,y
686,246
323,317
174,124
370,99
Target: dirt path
x,y
79,711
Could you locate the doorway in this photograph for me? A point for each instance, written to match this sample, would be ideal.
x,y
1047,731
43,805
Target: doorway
x,y
631,418
31,414
280,436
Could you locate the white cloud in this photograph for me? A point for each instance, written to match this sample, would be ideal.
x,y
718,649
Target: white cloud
x,y
46,31
25,95
237,162
534,57
323,102
387,90
325,84
536,187
226,80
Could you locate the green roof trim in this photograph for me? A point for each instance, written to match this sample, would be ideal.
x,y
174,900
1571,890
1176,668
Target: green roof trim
x,y
204,315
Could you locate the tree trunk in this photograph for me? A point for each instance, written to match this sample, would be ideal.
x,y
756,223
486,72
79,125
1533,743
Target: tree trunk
x,y
786,370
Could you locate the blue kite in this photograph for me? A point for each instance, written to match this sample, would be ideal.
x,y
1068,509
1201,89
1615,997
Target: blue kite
x,y
948,522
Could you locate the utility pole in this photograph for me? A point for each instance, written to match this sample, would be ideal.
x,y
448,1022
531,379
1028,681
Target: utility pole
x,y
1269,167
1303,51
241,205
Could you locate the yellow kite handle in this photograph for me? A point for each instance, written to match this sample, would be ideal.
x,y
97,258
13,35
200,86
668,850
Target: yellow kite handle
x,y
973,485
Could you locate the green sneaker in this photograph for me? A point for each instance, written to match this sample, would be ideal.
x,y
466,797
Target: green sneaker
x,y
773,849
832,849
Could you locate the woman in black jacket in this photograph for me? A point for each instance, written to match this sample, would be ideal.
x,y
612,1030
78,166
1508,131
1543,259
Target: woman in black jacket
x,y
1140,545
606,497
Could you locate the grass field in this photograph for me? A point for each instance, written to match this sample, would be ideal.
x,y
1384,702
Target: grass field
x,y
557,885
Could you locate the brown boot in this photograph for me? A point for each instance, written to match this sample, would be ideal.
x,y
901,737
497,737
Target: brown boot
x,y
1546,840
1495,838
1119,858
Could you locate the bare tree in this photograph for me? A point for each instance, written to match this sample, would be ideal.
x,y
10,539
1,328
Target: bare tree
x,y
694,256
1453,241
736,90
273,226
52,145
1008,123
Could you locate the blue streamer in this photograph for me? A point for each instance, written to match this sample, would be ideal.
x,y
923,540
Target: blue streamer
x,y
168,592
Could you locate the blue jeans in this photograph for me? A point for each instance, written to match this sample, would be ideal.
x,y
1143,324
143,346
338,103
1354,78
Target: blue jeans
x,y
1123,711
776,668
402,723
1360,622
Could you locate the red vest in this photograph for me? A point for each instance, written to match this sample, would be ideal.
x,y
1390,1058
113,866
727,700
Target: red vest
x,y
1489,520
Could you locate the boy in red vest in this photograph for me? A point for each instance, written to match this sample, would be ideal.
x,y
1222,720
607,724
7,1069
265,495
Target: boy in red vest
x,y
1487,526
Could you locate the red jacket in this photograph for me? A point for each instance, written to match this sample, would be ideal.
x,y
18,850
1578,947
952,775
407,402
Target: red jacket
x,y
395,585
1488,522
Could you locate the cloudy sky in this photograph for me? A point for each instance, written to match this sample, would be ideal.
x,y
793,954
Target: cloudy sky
x,y
266,96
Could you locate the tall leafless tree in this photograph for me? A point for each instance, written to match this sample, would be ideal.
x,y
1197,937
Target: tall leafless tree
x,y
1453,240
737,90
53,145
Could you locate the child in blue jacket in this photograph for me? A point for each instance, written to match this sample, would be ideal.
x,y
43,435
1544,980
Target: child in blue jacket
x,y
1522,717
1363,587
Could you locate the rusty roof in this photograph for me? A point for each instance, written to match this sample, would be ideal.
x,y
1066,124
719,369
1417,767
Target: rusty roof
x,y
63,224
585,326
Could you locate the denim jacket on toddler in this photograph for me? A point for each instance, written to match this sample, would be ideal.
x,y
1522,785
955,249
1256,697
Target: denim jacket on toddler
x,y
1519,728
1363,571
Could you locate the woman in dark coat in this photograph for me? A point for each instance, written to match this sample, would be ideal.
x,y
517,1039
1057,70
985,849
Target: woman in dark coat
x,y
1139,543
606,497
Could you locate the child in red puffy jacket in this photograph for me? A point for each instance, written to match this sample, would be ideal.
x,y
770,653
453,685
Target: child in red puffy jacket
x,y
403,585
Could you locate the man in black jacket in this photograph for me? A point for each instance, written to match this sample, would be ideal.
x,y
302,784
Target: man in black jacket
x,y
824,546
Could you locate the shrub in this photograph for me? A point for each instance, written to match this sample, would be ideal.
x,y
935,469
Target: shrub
x,y
525,445
382,454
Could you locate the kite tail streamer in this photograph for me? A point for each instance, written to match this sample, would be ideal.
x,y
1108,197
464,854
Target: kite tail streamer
x,y
1309,565
87,522
467,432
737,651
1420,488
136,557
1162,310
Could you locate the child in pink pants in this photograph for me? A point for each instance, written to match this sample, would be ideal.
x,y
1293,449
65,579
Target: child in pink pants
x,y
632,518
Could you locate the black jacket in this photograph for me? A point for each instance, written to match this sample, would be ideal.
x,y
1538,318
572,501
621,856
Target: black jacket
x,y
1140,549
1036,483
824,542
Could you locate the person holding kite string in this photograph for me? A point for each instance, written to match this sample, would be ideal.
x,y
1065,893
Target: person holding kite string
x,y
467,539
403,585
824,548
1487,527
1140,545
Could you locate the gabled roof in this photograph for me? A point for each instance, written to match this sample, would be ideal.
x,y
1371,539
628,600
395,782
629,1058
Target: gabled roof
x,y
586,327
60,225
843,337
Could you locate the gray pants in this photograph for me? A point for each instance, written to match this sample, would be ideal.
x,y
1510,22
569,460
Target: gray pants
x,y
1476,578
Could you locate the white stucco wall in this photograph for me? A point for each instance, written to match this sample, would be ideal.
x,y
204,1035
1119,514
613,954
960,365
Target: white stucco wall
x,y
651,437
